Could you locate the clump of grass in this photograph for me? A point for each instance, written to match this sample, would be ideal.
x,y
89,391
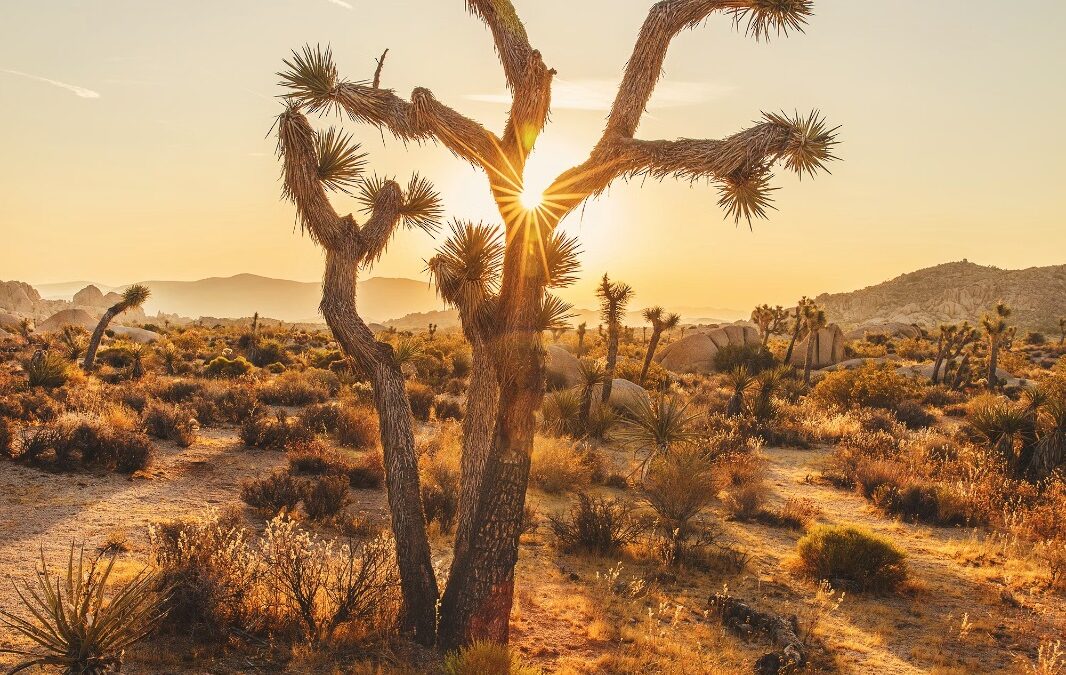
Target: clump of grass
x,y
273,432
294,388
72,626
598,525
170,421
357,427
421,397
46,369
557,466
482,658
849,555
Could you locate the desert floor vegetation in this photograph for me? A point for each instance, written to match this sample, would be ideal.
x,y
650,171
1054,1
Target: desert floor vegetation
x,y
898,546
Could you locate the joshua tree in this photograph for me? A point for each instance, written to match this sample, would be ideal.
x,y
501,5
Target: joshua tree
x,y
593,374
314,162
134,296
770,320
614,296
950,343
582,328
477,601
660,323
997,330
432,331
813,321
798,325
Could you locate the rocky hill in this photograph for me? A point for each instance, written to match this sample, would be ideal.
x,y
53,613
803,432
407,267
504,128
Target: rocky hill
x,y
954,292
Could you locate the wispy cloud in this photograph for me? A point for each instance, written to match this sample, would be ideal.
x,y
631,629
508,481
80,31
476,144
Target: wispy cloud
x,y
593,94
73,88
340,3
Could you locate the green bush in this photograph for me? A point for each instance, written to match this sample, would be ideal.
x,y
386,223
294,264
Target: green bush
x,y
220,366
46,370
871,386
853,555
755,358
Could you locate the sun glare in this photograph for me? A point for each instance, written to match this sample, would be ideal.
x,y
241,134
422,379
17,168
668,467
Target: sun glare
x,y
531,198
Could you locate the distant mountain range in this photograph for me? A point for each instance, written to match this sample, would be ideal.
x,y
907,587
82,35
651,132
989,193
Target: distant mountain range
x,y
380,298
955,292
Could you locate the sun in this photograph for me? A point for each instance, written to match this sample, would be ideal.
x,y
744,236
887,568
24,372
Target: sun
x,y
531,198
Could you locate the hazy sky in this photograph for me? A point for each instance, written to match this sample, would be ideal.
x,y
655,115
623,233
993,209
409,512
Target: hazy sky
x,y
134,136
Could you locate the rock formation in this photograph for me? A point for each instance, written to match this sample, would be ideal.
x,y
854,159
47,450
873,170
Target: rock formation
x,y
828,348
695,352
562,366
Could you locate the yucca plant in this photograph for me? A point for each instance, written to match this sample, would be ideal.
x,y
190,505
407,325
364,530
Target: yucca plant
x,y
739,380
613,296
657,426
1007,429
593,374
73,627
73,340
46,369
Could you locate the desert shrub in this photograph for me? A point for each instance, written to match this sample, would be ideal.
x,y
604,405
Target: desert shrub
x,y
325,584
36,440
871,386
325,496
481,658
561,412
941,396
461,364
266,352
47,370
180,391
324,358
1033,338
848,555
293,388
275,492
357,427
447,409
315,457
234,403
211,572
117,356
170,422
421,398
556,466
368,472
73,629
274,432
743,479
322,418
220,366
597,524
131,451
678,488
914,415
439,468
755,358
795,513
7,438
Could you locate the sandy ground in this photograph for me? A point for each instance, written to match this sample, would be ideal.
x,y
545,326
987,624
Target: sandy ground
x,y
559,610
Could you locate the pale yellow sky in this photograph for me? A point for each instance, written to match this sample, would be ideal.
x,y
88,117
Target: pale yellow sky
x,y
134,138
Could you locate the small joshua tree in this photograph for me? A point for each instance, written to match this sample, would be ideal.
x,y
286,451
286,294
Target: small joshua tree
x,y
951,340
798,325
614,297
432,331
813,321
660,323
770,320
134,296
997,330
581,329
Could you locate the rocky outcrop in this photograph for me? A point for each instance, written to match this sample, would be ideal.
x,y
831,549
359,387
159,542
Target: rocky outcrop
x,y
19,297
9,321
828,348
955,292
138,335
625,395
563,367
67,317
695,353
90,296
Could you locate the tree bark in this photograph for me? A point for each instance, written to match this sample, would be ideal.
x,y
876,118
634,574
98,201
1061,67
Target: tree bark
x,y
652,346
612,360
417,579
993,361
478,597
98,335
792,342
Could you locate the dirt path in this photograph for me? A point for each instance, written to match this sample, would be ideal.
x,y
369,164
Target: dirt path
x,y
952,576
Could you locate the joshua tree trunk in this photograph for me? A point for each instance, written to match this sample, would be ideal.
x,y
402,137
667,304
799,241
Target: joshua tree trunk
x,y
348,248
477,600
98,335
792,341
652,346
417,579
993,361
612,361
